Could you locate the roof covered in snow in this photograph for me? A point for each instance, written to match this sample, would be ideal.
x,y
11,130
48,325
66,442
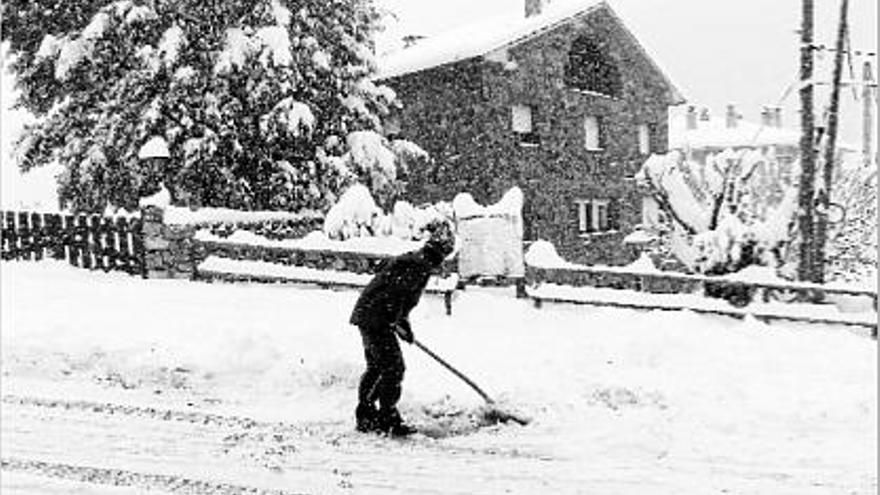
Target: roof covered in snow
x,y
714,133
486,36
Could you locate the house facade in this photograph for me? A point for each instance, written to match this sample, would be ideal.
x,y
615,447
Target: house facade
x,y
564,104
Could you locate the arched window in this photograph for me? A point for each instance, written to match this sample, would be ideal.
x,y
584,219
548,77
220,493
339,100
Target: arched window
x,y
590,69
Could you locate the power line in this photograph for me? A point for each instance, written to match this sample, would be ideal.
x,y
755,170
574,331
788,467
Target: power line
x,y
858,53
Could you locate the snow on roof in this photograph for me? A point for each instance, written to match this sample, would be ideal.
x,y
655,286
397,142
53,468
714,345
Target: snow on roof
x,y
486,36
714,133
476,39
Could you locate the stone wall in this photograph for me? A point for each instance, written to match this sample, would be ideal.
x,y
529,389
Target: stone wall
x,y
168,249
172,251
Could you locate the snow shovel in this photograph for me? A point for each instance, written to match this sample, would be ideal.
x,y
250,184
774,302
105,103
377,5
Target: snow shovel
x,y
492,413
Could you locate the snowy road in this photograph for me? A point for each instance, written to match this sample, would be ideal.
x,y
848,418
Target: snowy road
x,y
243,388
125,447
187,452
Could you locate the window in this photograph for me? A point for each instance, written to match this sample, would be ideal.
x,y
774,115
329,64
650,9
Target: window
x,y
521,122
644,139
592,133
594,215
590,69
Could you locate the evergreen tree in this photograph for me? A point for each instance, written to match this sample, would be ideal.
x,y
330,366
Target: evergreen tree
x,y
256,99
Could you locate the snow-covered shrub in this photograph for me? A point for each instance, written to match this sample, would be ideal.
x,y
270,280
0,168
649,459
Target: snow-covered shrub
x,y
736,210
356,214
353,215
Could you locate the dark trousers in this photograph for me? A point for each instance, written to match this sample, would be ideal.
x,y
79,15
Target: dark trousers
x,y
381,381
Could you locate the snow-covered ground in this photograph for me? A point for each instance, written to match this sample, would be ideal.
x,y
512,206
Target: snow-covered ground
x,y
622,401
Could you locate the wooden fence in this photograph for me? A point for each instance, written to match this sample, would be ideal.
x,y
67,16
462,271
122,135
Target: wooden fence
x,y
89,241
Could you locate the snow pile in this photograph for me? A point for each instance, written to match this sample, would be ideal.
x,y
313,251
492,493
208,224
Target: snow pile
x,y
353,215
357,215
543,254
643,264
491,236
161,199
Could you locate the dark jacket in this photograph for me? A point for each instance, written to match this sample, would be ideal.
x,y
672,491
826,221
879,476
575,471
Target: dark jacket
x,y
395,290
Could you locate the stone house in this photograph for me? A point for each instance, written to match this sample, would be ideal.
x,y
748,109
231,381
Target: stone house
x,y
563,102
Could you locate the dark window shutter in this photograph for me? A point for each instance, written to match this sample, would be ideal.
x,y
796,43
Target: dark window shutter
x,y
588,211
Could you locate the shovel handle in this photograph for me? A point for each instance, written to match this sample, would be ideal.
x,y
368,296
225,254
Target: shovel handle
x,y
449,367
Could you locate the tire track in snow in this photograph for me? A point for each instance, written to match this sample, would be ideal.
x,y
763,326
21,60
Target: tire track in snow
x,y
240,451
331,432
122,477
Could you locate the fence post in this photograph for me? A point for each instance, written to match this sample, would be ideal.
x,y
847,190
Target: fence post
x,y
126,260
96,246
139,253
155,246
82,241
38,235
10,236
55,236
70,240
24,236
111,250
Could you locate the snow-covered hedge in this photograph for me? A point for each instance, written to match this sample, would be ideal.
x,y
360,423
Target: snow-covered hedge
x,y
356,214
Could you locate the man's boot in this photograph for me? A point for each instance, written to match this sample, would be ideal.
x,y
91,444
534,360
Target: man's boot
x,y
367,417
392,424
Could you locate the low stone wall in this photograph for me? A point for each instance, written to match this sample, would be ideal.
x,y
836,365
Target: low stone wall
x,y
172,251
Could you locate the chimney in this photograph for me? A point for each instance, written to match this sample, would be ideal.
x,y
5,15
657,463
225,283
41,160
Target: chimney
x,y
704,114
731,117
411,39
777,116
691,118
768,118
533,7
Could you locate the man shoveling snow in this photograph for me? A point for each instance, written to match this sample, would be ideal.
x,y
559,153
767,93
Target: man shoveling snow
x,y
382,314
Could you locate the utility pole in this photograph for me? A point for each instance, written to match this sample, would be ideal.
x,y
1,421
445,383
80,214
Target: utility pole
x,y
824,197
807,153
867,114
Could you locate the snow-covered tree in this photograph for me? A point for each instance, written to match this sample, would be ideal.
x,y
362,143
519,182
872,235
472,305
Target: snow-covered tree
x,y
735,210
851,250
264,104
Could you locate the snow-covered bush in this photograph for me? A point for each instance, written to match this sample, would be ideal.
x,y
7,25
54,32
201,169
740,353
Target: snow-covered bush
x,y
735,211
260,101
356,214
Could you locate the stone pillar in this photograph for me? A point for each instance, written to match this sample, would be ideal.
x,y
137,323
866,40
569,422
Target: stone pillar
x,y
168,249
